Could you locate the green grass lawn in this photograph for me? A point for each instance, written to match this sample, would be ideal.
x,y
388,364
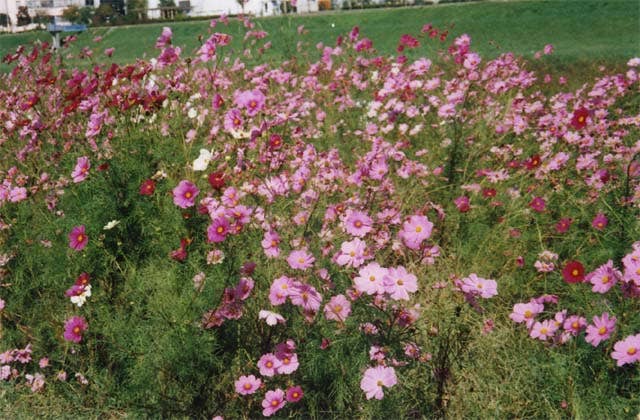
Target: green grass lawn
x,y
592,31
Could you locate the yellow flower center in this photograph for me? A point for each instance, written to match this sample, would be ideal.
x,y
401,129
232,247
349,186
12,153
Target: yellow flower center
x,y
418,229
358,223
76,330
372,278
295,394
379,383
80,238
602,331
337,308
605,279
575,272
220,229
188,194
631,351
575,325
399,282
269,364
247,386
275,403
301,260
544,331
528,314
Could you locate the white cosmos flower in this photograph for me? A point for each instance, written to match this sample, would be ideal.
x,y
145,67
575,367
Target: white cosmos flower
x,y
271,318
201,163
111,225
81,298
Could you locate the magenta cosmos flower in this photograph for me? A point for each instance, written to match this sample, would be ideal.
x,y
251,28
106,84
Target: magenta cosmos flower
x,y
78,239
294,394
351,253
273,401
73,329
627,350
300,259
415,230
218,230
375,378
184,195
338,308
601,329
81,171
600,221
247,385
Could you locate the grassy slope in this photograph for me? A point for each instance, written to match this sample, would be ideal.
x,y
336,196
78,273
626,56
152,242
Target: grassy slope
x,y
581,31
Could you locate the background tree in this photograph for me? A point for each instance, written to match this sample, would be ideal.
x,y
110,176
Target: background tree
x,y
23,16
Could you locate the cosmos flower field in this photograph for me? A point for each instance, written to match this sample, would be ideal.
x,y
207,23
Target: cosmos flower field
x,y
359,236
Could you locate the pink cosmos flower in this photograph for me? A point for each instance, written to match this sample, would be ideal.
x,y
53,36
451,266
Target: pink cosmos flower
x,y
375,378
398,283
294,394
218,230
543,330
300,259
184,195
338,308
526,312
478,286
627,350
81,171
233,120
415,230
78,239
273,401
370,279
462,204
74,327
600,221
358,224
351,253
247,385
305,296
268,364
289,364
17,194
604,277
270,244
601,329
280,290
574,324
252,100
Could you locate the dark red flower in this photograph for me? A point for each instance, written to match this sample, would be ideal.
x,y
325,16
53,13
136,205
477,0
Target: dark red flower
x,y
217,180
533,162
148,187
573,272
275,142
579,119
489,192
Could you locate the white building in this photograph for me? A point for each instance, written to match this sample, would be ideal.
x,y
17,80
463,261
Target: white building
x,y
233,7
9,11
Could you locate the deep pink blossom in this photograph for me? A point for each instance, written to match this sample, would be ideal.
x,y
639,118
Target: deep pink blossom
x,y
294,394
184,194
78,238
74,327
